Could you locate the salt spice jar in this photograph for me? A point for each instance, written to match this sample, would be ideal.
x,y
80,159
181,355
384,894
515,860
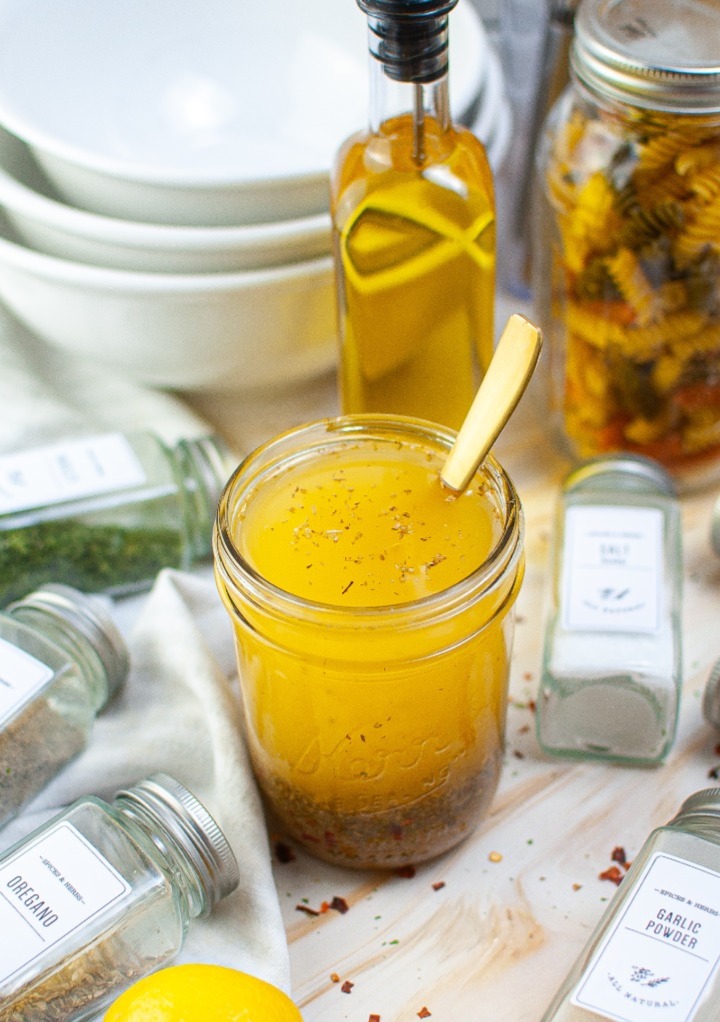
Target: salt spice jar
x,y
104,894
61,660
611,673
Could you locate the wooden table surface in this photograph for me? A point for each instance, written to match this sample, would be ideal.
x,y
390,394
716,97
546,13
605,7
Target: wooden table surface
x,y
488,931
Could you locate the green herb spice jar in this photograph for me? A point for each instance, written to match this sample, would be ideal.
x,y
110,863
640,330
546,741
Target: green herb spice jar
x,y
105,513
61,660
104,894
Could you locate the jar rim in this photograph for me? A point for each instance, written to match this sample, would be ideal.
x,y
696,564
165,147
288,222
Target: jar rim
x,y
675,72
232,566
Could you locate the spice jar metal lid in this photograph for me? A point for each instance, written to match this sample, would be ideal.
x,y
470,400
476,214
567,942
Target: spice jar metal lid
x,y
715,526
711,696
701,803
632,466
192,827
213,460
662,55
89,616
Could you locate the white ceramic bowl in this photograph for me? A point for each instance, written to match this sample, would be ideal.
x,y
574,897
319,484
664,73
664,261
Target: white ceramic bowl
x,y
227,112
221,332
55,227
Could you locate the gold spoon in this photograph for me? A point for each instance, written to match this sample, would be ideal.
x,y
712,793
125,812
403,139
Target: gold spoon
x,y
501,388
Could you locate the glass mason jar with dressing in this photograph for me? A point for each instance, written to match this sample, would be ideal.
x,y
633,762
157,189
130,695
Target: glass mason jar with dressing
x,y
627,252
373,616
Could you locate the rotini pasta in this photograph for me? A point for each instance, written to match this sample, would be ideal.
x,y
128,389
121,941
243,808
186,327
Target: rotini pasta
x,y
636,206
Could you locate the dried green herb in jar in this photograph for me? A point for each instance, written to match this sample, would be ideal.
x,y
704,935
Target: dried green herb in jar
x,y
106,513
93,558
120,883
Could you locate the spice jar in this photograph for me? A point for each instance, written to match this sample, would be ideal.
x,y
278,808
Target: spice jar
x,y
61,660
711,696
627,257
413,214
654,953
373,615
102,895
611,672
105,513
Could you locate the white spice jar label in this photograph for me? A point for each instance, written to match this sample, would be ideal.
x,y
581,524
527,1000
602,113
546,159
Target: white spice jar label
x,y
21,676
51,887
68,470
612,577
659,957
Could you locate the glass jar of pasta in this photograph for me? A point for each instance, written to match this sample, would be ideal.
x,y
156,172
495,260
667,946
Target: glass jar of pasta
x,y
627,246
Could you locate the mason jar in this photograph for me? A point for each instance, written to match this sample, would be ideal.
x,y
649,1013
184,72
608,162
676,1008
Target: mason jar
x,y
627,243
373,617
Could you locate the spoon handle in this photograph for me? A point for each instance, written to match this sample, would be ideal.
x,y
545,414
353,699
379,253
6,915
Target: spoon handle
x,y
502,386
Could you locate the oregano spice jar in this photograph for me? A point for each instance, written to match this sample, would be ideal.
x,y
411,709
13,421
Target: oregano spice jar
x,y
105,513
102,895
61,660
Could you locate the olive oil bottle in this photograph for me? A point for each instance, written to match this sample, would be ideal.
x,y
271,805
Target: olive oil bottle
x,y
414,230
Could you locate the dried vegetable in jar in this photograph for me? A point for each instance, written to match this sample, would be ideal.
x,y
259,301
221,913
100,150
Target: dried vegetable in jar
x,y
106,512
628,254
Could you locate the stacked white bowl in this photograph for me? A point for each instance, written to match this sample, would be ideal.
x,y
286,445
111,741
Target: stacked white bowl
x,y
164,177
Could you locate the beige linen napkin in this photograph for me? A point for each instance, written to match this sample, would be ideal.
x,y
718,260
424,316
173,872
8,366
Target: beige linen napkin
x,y
179,711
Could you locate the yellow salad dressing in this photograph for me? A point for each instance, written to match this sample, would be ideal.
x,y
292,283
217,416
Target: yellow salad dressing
x,y
374,663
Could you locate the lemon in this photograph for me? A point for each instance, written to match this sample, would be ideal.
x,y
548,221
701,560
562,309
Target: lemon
x,y
202,993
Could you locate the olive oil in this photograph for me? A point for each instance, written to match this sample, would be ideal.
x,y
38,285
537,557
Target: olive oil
x,y
414,240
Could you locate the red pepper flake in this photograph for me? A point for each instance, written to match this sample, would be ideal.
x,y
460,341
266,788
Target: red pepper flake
x,y
518,755
618,855
334,977
373,1018
284,852
438,885
408,872
347,986
613,874
340,905
307,909
424,1013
